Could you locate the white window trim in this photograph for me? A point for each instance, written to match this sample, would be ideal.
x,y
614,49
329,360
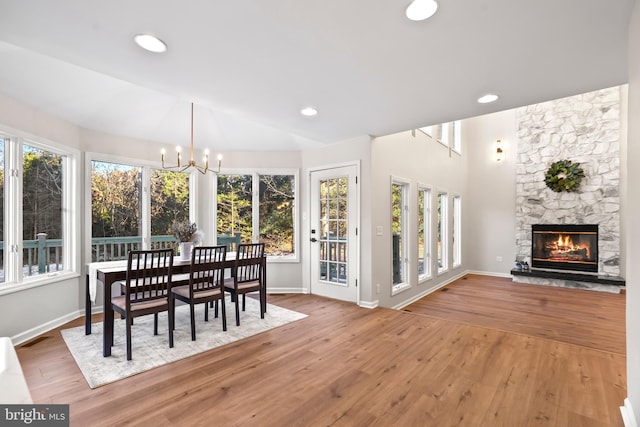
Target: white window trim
x,y
406,262
14,279
428,244
444,231
145,197
255,212
456,146
456,246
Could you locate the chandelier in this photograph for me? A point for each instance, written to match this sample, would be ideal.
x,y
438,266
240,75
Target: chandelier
x,y
192,163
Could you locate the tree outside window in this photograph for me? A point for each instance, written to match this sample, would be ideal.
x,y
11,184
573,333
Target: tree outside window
x,y
266,215
42,201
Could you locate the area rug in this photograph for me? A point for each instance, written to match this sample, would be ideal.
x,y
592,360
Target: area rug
x,y
151,351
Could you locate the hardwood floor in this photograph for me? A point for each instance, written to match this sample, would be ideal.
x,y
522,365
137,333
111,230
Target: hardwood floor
x,y
350,366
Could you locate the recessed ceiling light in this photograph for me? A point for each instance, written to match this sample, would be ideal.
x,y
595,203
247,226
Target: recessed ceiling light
x,y
419,10
150,43
308,111
485,99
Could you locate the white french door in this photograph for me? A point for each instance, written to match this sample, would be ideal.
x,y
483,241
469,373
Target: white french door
x,y
334,228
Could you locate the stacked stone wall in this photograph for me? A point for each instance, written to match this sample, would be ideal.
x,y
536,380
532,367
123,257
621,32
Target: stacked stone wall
x,y
585,129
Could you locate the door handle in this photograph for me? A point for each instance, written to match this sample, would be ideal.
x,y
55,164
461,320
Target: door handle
x,y
313,239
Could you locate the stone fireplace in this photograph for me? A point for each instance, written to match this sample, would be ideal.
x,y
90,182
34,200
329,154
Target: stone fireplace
x,y
584,129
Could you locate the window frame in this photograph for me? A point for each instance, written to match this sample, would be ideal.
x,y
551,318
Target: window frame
x,y
145,196
456,231
255,206
15,280
427,233
442,227
405,227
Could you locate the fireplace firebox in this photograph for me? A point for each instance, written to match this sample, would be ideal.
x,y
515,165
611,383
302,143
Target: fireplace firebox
x,y
565,247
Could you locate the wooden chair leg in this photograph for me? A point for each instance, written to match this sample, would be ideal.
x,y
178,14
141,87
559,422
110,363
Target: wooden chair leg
x,y
172,325
237,311
129,323
244,302
155,323
206,312
216,307
193,321
224,314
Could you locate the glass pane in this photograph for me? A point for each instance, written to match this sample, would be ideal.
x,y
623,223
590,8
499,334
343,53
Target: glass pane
x,y
2,244
442,231
277,194
234,210
41,211
333,223
424,233
421,236
169,204
456,231
115,210
397,232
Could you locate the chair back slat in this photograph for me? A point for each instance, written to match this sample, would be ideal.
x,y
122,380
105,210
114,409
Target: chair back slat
x,y
148,275
207,268
249,261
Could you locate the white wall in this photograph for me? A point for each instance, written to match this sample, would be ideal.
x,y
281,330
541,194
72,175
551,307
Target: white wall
x,y
353,151
632,216
418,159
490,226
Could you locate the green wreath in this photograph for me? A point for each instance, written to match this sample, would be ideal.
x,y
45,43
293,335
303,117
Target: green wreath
x,y
564,175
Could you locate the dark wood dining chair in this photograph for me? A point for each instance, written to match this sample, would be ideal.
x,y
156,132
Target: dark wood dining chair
x,y
247,276
205,284
146,290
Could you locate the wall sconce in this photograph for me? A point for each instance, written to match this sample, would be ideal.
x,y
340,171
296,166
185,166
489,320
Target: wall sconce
x,y
499,152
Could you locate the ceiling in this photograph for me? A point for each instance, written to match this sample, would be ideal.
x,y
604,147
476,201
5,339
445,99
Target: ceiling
x,y
251,65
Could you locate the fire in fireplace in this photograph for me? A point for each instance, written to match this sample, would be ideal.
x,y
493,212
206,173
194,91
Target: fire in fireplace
x,y
565,247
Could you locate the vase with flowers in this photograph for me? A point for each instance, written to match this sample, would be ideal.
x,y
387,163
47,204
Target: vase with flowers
x,y
187,235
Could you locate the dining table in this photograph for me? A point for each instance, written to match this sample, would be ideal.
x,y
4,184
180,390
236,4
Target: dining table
x,y
110,272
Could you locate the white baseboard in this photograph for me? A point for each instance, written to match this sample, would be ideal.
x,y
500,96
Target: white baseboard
x,y
287,291
489,273
628,417
369,304
45,327
405,303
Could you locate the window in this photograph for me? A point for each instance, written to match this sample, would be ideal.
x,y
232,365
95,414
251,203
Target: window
x,y
277,213
448,134
42,203
116,218
456,231
124,217
442,201
37,232
424,233
444,135
234,209
457,136
169,203
257,207
399,241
